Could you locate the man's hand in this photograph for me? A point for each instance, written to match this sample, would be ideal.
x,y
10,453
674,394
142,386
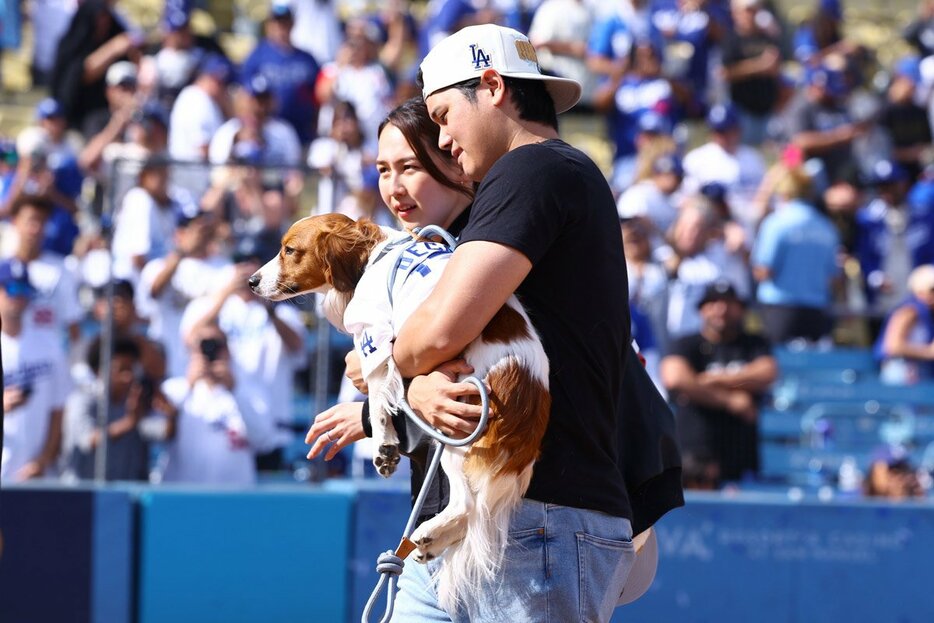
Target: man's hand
x,y
741,404
339,426
32,469
435,398
13,397
354,372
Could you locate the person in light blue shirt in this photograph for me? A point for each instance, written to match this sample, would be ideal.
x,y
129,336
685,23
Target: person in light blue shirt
x,y
794,260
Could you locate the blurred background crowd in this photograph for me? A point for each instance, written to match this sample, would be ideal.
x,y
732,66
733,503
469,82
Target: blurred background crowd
x,y
772,162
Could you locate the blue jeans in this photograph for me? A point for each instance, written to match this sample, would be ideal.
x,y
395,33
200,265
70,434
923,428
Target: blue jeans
x,y
562,565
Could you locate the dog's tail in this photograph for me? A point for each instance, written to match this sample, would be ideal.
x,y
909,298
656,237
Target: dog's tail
x,y
498,469
477,560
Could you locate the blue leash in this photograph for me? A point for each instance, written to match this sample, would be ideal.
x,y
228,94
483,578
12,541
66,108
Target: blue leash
x,y
390,563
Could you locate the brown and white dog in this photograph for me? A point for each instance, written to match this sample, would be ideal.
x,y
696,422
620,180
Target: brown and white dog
x,y
330,254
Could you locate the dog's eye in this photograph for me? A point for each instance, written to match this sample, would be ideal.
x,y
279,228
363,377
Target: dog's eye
x,y
289,250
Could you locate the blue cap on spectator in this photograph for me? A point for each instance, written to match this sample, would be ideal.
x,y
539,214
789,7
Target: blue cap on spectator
x,y
722,117
122,289
886,171
833,8
280,9
654,123
832,81
715,191
14,279
258,86
908,67
216,66
893,455
48,108
668,163
187,212
153,111
175,17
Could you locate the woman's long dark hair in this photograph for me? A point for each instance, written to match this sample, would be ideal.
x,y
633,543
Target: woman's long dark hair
x,y
412,119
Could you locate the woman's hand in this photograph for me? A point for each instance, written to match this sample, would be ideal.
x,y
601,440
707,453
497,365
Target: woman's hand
x,y
339,426
435,398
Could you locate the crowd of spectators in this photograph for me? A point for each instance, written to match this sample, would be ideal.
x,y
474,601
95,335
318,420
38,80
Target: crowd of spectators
x,y
756,162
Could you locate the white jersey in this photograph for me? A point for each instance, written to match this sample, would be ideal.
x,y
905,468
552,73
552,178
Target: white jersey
x,y
193,278
280,143
56,305
194,120
741,173
36,360
210,444
262,366
143,227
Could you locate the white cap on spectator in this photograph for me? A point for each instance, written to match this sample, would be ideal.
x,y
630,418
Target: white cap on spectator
x,y
121,72
470,51
745,4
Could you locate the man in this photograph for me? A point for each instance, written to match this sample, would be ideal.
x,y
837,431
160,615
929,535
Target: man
x,y
290,72
35,383
725,160
198,111
752,61
717,379
55,306
206,433
267,346
543,225
167,284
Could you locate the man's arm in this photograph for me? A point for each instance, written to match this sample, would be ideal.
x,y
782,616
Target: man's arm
x,y
679,377
477,282
756,376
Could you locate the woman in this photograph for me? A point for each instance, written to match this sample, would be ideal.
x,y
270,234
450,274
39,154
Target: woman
x,y
906,343
794,260
422,185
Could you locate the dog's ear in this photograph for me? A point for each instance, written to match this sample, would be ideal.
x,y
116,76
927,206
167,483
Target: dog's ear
x,y
346,249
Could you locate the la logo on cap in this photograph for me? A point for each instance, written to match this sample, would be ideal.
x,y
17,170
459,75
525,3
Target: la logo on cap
x,y
481,60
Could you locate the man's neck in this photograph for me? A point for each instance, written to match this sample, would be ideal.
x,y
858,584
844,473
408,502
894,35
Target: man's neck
x,y
27,253
12,327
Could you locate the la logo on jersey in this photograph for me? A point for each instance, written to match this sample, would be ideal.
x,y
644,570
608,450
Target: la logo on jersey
x,y
481,60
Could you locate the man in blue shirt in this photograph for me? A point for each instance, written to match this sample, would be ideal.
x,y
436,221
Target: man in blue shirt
x,y
291,73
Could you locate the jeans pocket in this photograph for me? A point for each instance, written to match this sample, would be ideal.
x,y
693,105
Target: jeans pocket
x,y
603,567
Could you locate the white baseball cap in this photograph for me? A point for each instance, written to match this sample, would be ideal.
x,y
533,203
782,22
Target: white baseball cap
x,y
472,50
643,569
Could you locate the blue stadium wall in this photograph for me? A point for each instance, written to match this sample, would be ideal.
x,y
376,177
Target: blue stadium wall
x,y
154,555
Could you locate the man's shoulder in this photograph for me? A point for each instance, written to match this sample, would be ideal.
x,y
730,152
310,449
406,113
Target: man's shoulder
x,y
549,158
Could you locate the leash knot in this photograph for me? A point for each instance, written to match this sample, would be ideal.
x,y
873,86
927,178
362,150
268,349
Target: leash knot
x,y
389,564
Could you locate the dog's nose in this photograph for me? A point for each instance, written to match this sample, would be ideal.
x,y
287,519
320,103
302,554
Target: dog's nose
x,y
254,280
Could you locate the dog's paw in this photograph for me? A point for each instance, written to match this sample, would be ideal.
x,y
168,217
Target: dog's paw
x,y
387,459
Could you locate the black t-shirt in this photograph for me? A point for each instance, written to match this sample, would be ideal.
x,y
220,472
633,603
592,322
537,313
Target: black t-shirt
x,y
757,95
908,125
805,115
711,434
551,203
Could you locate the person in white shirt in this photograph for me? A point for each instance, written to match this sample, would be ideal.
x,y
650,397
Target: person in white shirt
x,y
740,168
277,140
168,284
654,200
145,223
559,31
267,345
700,258
55,306
208,438
198,111
35,384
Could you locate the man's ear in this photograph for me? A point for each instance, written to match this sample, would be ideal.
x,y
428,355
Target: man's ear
x,y
492,81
